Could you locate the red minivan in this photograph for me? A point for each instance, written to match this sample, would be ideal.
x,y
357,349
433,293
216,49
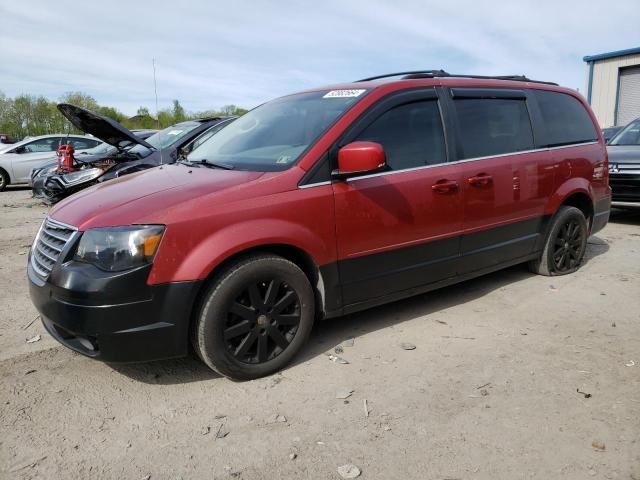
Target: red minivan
x,y
319,204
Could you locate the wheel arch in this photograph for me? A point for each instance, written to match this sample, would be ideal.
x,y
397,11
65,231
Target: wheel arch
x,y
576,192
582,202
293,253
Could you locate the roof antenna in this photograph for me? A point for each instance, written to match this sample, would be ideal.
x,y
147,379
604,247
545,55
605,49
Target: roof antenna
x,y
155,89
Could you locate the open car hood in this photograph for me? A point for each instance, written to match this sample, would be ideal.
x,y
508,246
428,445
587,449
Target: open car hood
x,y
101,127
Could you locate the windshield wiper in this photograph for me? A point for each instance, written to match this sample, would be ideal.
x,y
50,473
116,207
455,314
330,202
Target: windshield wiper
x,y
209,163
188,164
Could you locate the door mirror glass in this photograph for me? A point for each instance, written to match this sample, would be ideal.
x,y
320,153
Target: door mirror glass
x,y
358,158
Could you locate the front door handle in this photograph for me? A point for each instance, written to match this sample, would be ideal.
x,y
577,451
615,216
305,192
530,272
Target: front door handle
x,y
445,186
480,180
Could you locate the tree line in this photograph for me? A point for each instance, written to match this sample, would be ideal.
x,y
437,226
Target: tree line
x,y
30,115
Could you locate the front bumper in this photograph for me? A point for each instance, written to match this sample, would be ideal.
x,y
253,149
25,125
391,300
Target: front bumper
x,y
625,187
114,317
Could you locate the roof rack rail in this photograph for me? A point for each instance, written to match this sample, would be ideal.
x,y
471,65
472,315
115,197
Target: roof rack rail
x,y
441,73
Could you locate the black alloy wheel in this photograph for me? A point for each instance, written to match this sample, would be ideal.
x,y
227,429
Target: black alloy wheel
x,y
565,243
568,247
254,316
262,321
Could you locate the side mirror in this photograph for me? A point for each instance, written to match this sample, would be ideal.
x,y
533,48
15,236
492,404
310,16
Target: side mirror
x,y
19,150
358,158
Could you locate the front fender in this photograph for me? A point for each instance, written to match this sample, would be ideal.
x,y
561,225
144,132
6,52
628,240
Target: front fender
x,y
222,244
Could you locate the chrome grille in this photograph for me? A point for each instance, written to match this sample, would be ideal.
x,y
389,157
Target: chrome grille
x,y
48,245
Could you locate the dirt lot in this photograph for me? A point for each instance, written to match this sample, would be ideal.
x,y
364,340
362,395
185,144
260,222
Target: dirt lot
x,y
488,393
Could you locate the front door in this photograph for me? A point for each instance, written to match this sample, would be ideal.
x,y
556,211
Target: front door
x,y
33,155
399,229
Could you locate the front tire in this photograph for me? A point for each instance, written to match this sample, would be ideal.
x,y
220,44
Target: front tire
x,y
254,318
4,180
565,244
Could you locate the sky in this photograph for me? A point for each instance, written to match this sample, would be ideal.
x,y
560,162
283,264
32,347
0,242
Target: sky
x,y
211,53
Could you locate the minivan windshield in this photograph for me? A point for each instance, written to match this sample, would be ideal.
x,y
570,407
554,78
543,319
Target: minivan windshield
x,y
167,137
273,136
629,135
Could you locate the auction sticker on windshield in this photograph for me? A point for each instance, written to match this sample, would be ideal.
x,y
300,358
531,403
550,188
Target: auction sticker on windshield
x,y
344,93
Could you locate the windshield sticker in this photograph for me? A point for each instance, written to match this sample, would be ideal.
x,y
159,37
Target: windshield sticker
x,y
174,132
283,159
344,93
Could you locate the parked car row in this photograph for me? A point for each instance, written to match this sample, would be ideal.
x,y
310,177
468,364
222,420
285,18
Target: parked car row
x,y
127,152
311,206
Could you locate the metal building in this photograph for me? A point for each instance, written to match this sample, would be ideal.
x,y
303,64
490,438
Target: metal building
x,y
613,86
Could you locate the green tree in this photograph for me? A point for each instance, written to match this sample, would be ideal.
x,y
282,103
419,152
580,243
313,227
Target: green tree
x,y
36,115
80,99
179,114
165,118
112,113
232,110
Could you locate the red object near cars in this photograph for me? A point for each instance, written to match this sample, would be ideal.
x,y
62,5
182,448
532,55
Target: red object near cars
x,y
319,204
65,158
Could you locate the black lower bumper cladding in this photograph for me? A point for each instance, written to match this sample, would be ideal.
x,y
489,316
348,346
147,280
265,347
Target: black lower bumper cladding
x,y
114,316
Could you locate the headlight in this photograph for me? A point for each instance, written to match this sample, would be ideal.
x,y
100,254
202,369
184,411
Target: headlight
x,y
36,172
119,248
81,176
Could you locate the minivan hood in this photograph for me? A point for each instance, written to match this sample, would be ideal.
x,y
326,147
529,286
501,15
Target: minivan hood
x,y
101,127
623,153
146,197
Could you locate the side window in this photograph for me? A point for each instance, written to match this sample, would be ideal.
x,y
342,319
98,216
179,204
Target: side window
x,y
493,126
82,143
43,145
565,119
206,135
411,134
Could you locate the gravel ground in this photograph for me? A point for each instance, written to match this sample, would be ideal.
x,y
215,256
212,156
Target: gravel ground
x,y
490,391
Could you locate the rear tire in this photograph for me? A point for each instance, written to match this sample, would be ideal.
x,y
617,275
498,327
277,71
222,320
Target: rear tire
x,y
4,180
565,244
254,317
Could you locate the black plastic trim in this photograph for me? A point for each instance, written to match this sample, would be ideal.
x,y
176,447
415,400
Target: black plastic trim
x,y
115,317
320,172
464,92
403,269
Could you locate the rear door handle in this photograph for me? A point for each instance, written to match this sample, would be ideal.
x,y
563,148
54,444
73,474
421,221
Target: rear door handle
x,y
480,180
445,186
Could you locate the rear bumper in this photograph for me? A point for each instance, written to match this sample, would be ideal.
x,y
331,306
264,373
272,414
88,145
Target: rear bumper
x,y
601,212
625,187
114,317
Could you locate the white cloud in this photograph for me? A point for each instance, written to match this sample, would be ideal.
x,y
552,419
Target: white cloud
x,y
213,53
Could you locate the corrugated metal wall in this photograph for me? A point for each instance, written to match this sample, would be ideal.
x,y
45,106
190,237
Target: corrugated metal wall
x,y
605,86
628,95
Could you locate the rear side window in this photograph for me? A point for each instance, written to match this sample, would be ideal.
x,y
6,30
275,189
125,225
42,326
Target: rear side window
x,y
565,119
411,135
491,126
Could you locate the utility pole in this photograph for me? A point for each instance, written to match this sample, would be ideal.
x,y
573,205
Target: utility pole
x,y
155,89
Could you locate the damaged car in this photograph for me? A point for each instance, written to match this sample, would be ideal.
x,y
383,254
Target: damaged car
x,y
72,172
